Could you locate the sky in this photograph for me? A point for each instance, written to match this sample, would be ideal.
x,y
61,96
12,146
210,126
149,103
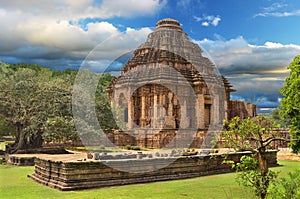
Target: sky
x,y
251,41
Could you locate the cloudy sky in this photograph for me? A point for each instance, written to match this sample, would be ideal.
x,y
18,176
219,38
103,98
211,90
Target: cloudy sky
x,y
251,41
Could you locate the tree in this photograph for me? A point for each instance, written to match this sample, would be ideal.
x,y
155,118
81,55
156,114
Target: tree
x,y
255,135
27,99
275,117
91,106
291,102
38,103
60,129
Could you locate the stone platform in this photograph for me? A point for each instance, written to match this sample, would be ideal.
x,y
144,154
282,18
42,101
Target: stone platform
x,y
71,174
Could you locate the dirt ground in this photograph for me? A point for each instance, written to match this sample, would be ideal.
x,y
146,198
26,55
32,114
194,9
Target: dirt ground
x,y
287,155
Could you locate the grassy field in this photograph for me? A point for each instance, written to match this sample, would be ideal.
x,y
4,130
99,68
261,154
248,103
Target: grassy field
x,y
15,184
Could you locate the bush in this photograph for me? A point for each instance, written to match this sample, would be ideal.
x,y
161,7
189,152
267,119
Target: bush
x,y
286,188
136,148
130,147
2,160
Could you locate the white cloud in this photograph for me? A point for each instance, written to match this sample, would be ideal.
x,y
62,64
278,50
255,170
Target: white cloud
x,y
238,52
274,6
205,23
132,7
43,30
279,14
208,20
277,10
254,70
184,4
78,9
216,21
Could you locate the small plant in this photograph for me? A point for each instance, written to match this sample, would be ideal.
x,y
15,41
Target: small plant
x,y
130,147
136,148
286,188
250,175
2,160
254,135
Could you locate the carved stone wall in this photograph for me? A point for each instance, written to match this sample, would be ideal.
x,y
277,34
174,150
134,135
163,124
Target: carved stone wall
x,y
74,175
169,86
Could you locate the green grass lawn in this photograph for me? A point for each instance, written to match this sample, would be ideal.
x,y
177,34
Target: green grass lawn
x,y
15,184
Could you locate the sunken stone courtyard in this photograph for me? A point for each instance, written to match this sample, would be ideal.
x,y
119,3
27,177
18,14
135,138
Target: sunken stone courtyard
x,y
171,98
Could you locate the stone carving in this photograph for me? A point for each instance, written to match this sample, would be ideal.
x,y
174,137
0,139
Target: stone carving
x,y
169,92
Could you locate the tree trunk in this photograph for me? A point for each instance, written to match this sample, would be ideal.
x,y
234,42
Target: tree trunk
x,y
20,141
36,141
263,165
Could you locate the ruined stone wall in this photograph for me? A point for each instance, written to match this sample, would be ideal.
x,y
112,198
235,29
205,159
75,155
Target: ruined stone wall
x,y
168,137
241,109
68,176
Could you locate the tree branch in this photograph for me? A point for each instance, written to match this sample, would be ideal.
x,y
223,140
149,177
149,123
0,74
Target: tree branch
x,y
269,141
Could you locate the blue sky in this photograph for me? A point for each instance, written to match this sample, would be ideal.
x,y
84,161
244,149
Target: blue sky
x,y
251,41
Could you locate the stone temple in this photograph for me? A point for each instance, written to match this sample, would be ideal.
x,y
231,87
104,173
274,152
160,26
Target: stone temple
x,y
170,94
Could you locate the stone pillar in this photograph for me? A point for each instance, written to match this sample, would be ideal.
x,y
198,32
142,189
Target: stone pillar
x,y
170,107
155,112
215,114
143,110
130,113
200,111
185,119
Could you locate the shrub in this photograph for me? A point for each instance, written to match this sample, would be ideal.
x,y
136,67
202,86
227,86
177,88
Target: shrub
x,y
130,147
286,188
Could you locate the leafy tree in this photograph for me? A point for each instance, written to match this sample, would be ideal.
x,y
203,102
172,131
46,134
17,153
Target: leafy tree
x,y
275,117
38,103
27,99
92,106
253,135
6,129
291,102
60,129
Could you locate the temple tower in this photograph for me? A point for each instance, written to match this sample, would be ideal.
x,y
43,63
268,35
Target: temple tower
x,y
169,93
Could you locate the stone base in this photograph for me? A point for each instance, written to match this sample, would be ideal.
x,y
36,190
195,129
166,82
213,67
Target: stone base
x,y
21,160
75,175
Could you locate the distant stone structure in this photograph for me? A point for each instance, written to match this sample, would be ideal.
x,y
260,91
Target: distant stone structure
x,y
170,94
241,109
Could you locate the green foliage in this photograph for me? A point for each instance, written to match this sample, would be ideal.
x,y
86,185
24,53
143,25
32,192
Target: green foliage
x,y
291,102
286,188
29,97
275,117
34,67
6,129
250,175
88,100
255,135
250,134
130,147
60,129
38,102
